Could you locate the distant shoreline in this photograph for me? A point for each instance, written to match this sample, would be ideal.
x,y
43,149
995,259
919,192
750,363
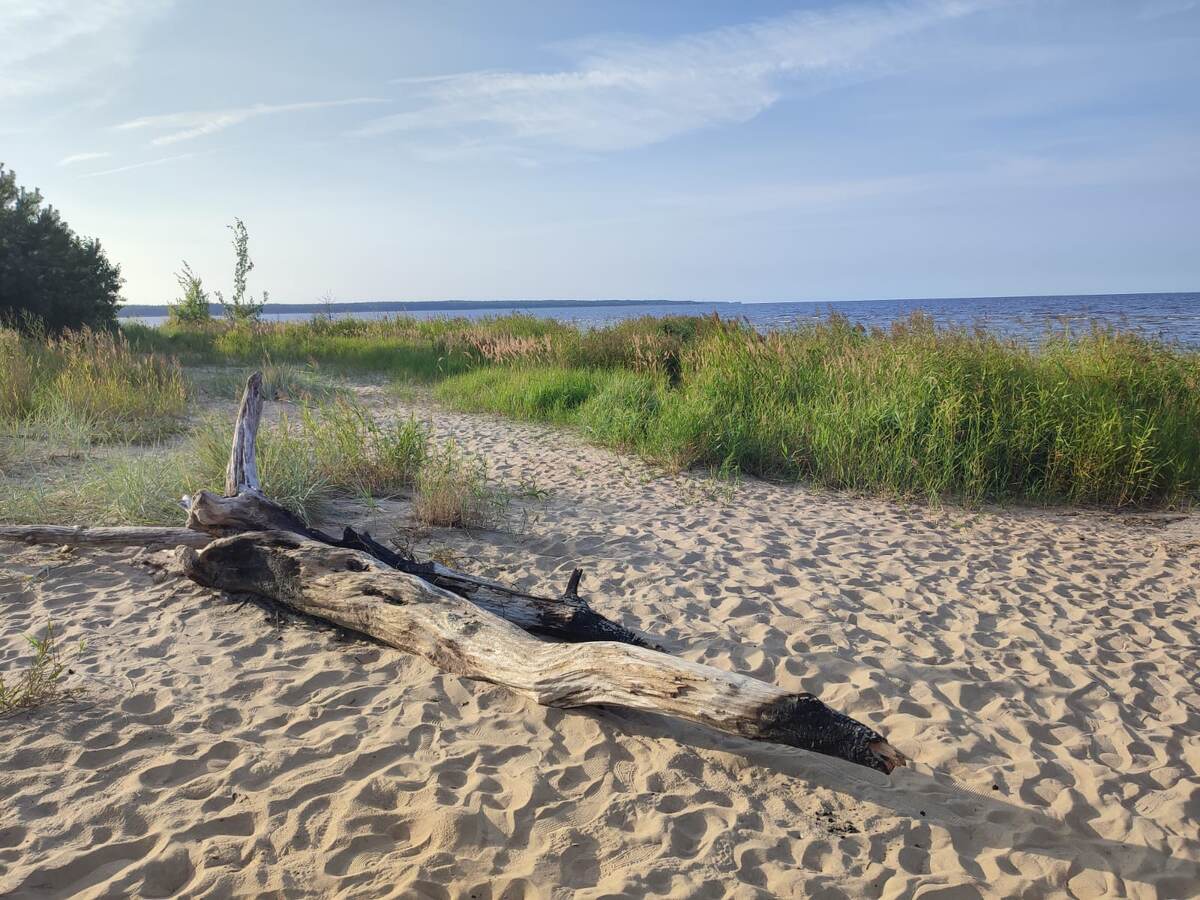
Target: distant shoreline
x,y
138,310
134,310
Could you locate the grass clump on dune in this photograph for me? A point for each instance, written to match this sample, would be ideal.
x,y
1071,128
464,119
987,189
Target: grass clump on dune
x,y
325,451
453,491
92,383
142,489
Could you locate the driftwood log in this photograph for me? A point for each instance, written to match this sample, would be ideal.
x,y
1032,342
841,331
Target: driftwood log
x,y
356,591
478,628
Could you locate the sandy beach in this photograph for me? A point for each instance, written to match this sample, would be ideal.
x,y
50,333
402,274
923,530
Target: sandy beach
x,y
1039,668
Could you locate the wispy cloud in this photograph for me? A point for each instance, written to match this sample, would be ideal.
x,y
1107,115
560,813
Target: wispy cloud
x,y
81,157
140,165
46,45
629,94
188,125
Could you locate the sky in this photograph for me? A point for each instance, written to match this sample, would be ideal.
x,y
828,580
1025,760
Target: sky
x,y
595,149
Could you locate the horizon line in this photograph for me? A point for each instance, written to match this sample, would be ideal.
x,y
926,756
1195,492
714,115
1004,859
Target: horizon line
x,y
554,302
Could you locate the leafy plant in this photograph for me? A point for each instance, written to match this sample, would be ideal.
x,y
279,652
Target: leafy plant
x,y
241,308
192,307
41,682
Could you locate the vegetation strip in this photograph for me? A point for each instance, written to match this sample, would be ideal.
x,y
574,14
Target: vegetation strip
x,y
1102,417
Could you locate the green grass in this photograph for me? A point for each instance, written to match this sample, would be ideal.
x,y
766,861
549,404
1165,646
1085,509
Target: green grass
x,y
41,681
306,459
453,491
1102,418
1096,418
281,381
90,383
332,450
542,393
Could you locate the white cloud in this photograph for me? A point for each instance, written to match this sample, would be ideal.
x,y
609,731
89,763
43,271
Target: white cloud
x,y
140,165
47,45
189,125
630,94
81,157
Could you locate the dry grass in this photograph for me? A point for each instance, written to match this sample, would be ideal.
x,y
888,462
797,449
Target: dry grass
x,y
453,491
91,384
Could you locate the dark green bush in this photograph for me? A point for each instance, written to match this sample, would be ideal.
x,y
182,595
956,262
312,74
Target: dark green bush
x,y
50,277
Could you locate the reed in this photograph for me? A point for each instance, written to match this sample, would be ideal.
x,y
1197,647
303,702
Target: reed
x,y
1099,418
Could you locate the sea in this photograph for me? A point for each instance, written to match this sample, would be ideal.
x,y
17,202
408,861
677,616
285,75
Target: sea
x,y
1172,318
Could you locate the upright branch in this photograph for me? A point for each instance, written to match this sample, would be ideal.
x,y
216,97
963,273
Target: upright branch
x,y
242,472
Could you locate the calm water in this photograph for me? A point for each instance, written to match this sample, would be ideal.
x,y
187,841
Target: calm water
x,y
1170,317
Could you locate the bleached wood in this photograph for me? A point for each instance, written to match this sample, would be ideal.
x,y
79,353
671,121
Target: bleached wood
x,y
357,591
242,471
246,508
154,537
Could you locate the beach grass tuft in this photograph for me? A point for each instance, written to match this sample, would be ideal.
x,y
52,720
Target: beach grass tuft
x,y
92,384
453,491
41,682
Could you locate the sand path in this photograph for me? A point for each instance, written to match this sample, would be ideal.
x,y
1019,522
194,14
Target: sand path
x,y
1040,667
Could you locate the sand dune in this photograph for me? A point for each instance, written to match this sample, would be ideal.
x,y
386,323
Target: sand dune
x,y
1039,667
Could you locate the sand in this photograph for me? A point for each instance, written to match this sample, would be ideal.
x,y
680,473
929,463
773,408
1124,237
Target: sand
x,y
1040,667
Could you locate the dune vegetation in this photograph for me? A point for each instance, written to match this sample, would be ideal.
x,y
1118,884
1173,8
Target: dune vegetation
x,y
90,385
1100,417
97,430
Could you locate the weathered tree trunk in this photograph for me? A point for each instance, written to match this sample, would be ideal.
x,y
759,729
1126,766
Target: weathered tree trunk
x,y
357,591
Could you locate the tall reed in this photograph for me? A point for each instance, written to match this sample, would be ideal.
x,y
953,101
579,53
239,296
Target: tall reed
x,y
1100,417
1096,417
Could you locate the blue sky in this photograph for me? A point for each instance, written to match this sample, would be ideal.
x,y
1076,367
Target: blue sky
x,y
752,150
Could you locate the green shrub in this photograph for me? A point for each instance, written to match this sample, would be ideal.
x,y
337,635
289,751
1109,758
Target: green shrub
x,y
50,277
241,308
191,309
